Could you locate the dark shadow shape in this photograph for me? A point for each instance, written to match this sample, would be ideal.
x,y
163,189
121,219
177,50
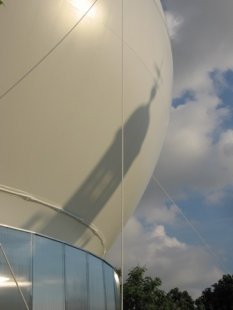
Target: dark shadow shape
x,y
107,175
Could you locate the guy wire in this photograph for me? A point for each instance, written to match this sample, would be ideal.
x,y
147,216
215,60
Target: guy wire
x,y
196,232
122,152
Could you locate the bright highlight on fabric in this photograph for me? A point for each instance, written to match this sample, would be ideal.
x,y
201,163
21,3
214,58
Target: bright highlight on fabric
x,y
83,6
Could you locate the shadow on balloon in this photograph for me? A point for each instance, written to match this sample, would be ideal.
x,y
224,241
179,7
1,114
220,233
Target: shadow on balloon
x,y
107,175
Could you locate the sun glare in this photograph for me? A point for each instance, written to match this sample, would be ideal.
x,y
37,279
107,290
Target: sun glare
x,y
4,279
83,6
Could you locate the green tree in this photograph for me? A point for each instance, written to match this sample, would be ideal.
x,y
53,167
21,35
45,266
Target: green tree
x,y
143,293
219,296
180,300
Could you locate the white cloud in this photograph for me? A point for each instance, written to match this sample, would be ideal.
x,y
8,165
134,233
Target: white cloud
x,y
175,262
205,40
215,197
225,145
153,209
191,158
160,238
174,22
159,213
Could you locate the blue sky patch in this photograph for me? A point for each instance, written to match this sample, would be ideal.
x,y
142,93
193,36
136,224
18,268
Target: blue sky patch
x,y
223,85
186,97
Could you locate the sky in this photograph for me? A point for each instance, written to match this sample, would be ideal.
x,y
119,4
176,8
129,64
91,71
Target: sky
x,y
182,230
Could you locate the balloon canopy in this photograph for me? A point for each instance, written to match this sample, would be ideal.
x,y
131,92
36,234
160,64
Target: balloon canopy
x,y
85,89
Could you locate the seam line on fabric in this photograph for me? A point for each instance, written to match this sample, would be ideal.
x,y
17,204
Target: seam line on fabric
x,y
32,198
46,55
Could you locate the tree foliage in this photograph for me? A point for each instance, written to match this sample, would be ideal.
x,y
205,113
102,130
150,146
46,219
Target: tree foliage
x,y
144,293
180,300
219,296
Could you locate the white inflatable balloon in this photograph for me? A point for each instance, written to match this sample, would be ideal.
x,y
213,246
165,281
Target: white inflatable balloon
x,y
71,87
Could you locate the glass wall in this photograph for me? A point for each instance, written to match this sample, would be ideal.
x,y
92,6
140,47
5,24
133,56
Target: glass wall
x,y
48,275
39,273
15,263
109,287
76,280
96,284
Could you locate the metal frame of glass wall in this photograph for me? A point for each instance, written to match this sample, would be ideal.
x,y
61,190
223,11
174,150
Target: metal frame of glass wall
x,y
37,272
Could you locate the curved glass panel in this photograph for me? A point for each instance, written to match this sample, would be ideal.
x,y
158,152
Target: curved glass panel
x,y
96,284
48,275
109,288
117,290
52,275
15,257
76,279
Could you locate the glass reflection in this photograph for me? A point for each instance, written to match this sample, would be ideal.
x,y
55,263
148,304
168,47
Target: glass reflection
x,y
63,277
117,290
16,246
96,284
110,288
9,295
75,279
48,275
